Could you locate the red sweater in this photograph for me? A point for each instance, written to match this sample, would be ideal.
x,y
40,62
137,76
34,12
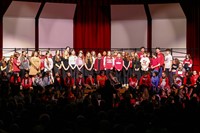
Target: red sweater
x,y
155,62
96,64
161,59
133,82
15,65
140,54
185,81
194,79
15,82
108,62
118,64
145,80
187,61
89,81
28,83
166,80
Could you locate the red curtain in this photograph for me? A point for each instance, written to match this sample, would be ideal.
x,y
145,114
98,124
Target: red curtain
x,y
192,11
92,25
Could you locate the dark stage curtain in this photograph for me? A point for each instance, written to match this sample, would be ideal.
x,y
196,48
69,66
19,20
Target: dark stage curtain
x,y
92,25
192,11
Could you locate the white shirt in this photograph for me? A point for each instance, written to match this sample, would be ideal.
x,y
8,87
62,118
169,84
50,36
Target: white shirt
x,y
168,60
72,60
145,63
46,66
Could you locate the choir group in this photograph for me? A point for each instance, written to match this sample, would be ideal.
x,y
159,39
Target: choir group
x,y
70,73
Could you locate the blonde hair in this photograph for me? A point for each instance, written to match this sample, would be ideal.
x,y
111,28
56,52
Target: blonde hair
x,y
88,57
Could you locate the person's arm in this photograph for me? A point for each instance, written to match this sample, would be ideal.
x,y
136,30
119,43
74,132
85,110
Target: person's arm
x,y
86,66
3,68
191,62
104,62
113,62
83,62
70,62
124,65
91,66
128,65
63,65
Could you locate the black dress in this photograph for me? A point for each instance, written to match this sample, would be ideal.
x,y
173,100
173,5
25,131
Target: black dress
x,y
66,64
89,65
55,68
137,68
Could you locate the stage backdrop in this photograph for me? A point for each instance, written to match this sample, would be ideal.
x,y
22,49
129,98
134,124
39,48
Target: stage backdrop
x,y
128,26
56,25
19,26
169,28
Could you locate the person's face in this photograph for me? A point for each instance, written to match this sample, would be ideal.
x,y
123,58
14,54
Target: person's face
x,y
118,55
93,53
104,53
80,54
142,49
36,54
163,75
154,74
167,52
67,49
99,55
73,52
194,72
26,75
109,53
157,50
24,53
68,74
81,75
88,54
180,65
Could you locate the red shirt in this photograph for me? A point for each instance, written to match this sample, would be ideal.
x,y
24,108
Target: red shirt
x,y
133,82
108,62
194,79
101,79
89,81
96,64
118,64
15,82
16,65
42,58
145,80
187,61
155,62
180,73
140,54
26,83
185,80
161,58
